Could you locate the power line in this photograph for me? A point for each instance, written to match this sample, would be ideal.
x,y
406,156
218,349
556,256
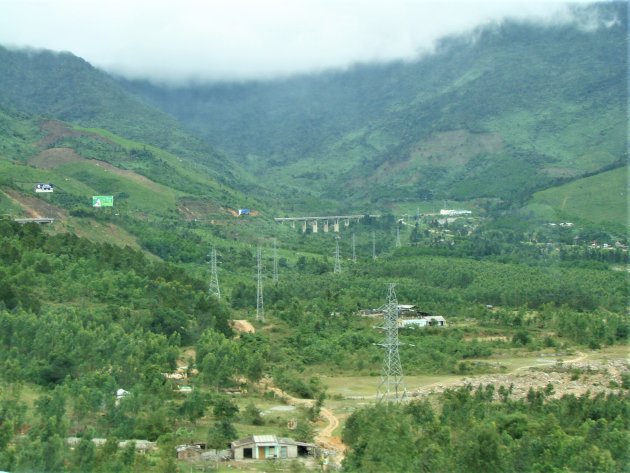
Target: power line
x,y
213,286
275,261
374,245
392,387
260,309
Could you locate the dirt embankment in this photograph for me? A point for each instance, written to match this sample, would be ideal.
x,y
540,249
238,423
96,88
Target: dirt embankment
x,y
34,207
243,326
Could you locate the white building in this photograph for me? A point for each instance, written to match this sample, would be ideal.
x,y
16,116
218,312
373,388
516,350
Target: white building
x,y
261,447
427,321
452,212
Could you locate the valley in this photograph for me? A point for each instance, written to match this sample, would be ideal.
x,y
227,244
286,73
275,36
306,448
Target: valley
x,y
219,260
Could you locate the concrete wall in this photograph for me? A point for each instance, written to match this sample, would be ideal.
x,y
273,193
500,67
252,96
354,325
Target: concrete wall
x,y
239,452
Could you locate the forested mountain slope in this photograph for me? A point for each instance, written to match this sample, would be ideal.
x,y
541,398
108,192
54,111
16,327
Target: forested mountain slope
x,y
65,87
512,109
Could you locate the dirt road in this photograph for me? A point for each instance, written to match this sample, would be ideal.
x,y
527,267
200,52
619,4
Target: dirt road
x,y
324,438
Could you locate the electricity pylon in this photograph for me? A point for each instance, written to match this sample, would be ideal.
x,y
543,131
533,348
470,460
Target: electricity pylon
x,y
374,246
275,261
337,268
392,387
213,287
260,309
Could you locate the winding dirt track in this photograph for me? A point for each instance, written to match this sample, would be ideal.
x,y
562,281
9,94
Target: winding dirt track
x,y
324,437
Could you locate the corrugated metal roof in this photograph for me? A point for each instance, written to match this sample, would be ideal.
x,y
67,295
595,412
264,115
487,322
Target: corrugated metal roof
x,y
265,439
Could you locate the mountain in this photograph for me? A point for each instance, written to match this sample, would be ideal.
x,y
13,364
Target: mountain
x,y
505,112
66,87
156,193
64,122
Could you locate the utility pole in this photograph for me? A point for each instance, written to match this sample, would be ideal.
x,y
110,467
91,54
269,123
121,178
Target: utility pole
x,y
213,287
337,268
392,387
374,245
260,309
275,261
354,253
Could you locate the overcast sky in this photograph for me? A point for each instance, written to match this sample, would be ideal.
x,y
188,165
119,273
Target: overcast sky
x,y
180,40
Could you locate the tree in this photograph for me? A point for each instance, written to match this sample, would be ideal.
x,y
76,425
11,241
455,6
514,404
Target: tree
x,y
221,434
251,415
480,451
84,456
219,358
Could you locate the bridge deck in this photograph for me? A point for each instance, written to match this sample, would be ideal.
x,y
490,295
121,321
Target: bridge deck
x,y
329,217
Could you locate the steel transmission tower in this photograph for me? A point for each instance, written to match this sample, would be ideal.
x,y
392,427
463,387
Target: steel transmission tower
x,y
354,253
275,261
260,308
392,387
374,245
213,287
337,268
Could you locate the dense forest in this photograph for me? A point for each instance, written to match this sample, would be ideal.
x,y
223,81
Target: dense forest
x,y
485,430
81,320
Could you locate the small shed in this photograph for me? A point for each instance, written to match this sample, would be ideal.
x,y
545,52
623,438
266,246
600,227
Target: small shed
x,y
261,447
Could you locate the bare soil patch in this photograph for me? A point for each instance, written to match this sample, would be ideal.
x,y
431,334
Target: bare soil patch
x,y
192,208
243,326
34,207
53,157
55,130
455,147
131,175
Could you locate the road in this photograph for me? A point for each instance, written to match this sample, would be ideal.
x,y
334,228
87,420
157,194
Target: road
x,y
324,437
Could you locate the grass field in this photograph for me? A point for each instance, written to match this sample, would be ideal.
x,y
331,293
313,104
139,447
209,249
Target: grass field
x,y
600,198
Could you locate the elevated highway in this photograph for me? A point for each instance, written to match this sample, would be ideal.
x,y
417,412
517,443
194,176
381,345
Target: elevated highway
x,y
325,221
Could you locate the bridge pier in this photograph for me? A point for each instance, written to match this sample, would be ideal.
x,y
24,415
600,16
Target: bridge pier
x,y
335,220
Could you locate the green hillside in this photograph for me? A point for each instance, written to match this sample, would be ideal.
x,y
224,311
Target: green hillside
x,y
602,199
156,193
517,109
65,87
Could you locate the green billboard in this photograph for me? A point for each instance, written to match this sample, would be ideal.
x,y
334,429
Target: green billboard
x,y
102,201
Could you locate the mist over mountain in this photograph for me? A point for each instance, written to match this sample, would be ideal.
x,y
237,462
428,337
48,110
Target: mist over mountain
x,y
512,109
501,114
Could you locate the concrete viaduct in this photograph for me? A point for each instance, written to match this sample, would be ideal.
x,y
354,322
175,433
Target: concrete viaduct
x,y
325,221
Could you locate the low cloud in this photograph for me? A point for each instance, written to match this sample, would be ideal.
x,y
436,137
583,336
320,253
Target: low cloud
x,y
214,40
